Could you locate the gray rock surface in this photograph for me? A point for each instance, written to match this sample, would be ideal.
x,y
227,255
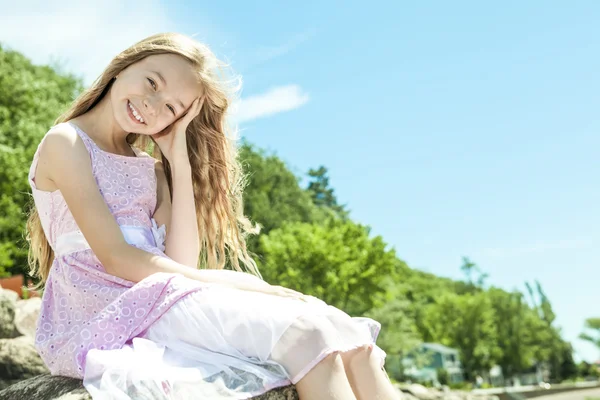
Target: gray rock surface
x,y
8,301
26,315
19,360
48,387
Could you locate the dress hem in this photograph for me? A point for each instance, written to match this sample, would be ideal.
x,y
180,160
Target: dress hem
x,y
323,355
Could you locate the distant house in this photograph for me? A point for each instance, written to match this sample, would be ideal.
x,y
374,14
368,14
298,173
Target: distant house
x,y
540,372
423,363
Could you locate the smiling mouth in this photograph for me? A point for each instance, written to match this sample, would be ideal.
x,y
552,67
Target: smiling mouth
x,y
134,114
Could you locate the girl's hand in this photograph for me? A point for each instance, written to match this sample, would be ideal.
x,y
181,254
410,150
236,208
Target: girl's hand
x,y
172,140
261,286
285,292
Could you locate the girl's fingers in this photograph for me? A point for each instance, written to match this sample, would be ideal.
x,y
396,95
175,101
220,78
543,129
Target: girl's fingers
x,y
294,294
193,112
195,107
200,104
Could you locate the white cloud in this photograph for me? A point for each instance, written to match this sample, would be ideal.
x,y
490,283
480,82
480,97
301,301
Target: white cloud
x,y
276,100
83,36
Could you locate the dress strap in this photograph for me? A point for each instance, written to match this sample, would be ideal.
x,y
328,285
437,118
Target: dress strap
x,y
87,140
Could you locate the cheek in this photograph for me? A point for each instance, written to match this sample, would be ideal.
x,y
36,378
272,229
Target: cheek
x,y
161,124
124,90
115,94
118,103
131,88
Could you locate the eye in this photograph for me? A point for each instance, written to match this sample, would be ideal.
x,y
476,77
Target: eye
x,y
172,109
152,83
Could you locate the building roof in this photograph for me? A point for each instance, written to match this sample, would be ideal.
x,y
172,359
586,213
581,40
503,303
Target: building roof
x,y
440,348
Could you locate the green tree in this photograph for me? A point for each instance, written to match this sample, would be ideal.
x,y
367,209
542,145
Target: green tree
x,y
515,325
593,336
335,261
585,369
31,98
465,322
322,194
549,347
475,276
567,367
468,268
398,334
422,289
273,195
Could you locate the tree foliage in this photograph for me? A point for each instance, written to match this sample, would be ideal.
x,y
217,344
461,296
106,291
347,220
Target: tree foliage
x,y
31,98
336,261
465,322
592,333
322,193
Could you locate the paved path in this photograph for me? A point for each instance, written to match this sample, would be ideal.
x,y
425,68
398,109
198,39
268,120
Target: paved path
x,y
576,395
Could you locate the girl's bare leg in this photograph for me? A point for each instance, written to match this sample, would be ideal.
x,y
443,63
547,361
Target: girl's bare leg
x,y
367,379
326,381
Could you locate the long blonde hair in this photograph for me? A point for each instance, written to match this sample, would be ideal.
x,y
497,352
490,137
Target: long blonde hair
x,y
218,179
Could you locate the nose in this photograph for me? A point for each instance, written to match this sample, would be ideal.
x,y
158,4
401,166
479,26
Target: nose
x,y
149,106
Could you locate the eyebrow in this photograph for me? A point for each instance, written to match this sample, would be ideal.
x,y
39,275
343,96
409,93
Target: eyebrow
x,y
162,79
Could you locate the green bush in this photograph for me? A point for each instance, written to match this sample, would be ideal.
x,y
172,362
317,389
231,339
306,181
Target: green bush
x,y
442,376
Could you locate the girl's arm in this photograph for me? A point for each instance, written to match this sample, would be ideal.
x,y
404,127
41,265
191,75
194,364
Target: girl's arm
x,y
66,162
182,242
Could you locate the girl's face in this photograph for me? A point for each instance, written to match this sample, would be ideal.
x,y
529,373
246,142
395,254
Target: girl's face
x,y
151,94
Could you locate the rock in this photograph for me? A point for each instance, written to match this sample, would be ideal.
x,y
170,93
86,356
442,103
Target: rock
x,y
10,294
19,360
49,387
421,392
46,387
8,301
26,315
285,393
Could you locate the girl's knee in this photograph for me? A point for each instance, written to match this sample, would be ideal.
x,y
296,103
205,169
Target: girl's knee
x,y
357,356
302,342
334,359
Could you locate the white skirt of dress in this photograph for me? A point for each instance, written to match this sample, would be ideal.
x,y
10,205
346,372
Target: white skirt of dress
x,y
225,343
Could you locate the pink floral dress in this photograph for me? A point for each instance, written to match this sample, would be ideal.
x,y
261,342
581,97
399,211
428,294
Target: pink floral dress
x,y
167,336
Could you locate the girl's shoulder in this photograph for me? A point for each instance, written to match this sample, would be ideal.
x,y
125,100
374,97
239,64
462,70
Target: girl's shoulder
x,y
60,141
64,136
62,126
64,140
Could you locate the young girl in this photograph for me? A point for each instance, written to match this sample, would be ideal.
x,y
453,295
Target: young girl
x,y
116,236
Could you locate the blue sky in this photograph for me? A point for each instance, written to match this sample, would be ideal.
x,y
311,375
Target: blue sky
x,y
462,129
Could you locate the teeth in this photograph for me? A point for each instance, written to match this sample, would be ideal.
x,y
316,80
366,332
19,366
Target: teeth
x,y
135,113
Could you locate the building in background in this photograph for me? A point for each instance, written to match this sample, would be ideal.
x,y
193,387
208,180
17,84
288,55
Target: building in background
x,y
423,364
